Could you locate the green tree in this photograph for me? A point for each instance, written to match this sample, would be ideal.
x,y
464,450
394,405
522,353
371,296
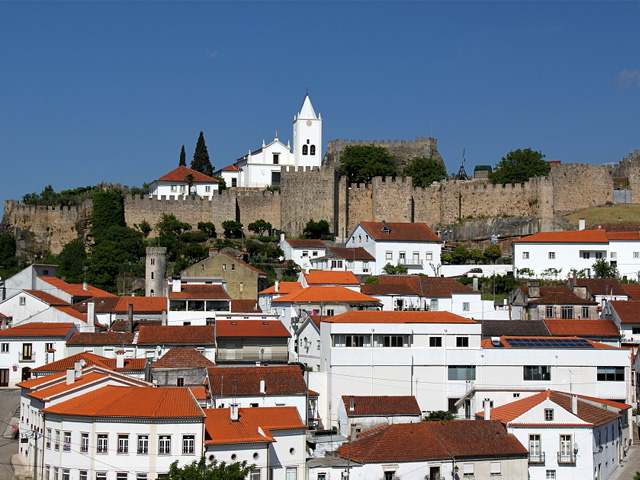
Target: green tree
x,y
108,211
424,171
183,158
208,228
190,179
360,163
604,269
319,229
492,252
460,254
222,183
7,249
201,162
519,166
232,229
259,227
395,269
72,261
476,255
439,416
372,281
203,470
144,228
169,224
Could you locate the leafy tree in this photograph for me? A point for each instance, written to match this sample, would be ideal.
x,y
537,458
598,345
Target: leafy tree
x,y
424,171
201,162
604,269
460,254
446,258
108,210
169,224
439,416
372,281
319,229
222,183
360,163
183,158
144,228
525,272
259,226
476,255
232,229
208,228
190,179
395,270
71,261
203,470
519,166
492,252
7,249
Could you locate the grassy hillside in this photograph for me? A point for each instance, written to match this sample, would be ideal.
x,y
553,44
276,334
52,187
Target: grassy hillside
x,y
628,213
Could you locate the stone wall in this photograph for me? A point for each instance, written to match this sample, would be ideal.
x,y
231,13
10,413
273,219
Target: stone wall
x,y
577,186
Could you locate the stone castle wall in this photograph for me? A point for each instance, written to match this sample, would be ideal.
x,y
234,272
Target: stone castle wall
x,y
577,186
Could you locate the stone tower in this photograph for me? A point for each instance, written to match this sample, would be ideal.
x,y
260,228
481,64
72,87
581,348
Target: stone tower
x,y
307,136
155,272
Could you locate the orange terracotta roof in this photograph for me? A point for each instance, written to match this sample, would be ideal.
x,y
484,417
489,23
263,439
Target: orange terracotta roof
x,y
632,290
142,304
425,286
628,311
76,289
377,316
380,405
320,277
220,429
251,328
199,392
283,288
306,243
573,236
91,359
38,329
47,298
401,232
586,411
62,387
101,304
37,381
624,236
183,357
327,295
280,380
357,253
179,175
200,292
583,328
230,168
177,335
72,312
101,338
245,306
132,402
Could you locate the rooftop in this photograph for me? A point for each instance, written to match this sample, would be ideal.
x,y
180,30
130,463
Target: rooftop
x,y
200,292
400,232
377,316
91,359
380,405
253,425
101,338
327,295
38,329
177,335
183,357
179,175
251,328
573,236
284,380
628,311
583,328
76,289
320,277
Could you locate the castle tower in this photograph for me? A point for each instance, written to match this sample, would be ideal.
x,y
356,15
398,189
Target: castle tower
x,y
155,272
307,136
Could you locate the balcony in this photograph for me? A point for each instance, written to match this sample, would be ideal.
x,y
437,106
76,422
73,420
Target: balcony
x,y
537,459
566,458
410,262
26,358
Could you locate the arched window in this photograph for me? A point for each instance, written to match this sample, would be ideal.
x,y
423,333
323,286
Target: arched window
x,y
152,293
305,150
312,150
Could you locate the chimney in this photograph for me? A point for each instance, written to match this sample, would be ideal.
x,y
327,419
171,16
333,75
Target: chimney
x,y
120,359
91,313
130,318
71,376
487,408
176,285
352,404
277,285
475,284
85,287
234,412
77,369
534,289
581,224
213,252
282,237
263,387
574,404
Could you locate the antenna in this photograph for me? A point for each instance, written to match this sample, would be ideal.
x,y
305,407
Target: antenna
x,y
462,174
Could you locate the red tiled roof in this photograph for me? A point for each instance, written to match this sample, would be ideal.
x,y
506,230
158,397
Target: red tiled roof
x,y
179,175
198,292
72,312
183,357
230,168
624,236
220,429
142,304
251,328
38,329
632,290
177,335
628,311
504,342
122,325
357,253
425,286
586,411
326,294
61,387
380,405
76,289
583,328
377,316
284,380
47,298
573,236
401,232
37,381
320,277
244,306
91,359
556,296
199,392
283,288
601,286
306,243
101,338
101,304
132,402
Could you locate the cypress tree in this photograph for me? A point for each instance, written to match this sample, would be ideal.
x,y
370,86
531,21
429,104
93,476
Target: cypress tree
x,y
183,158
201,162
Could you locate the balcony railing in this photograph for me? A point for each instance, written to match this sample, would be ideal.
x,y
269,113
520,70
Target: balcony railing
x,y
31,357
565,458
536,458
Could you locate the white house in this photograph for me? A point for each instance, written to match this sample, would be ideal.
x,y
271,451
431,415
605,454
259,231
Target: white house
x,y
568,436
182,182
413,245
193,300
357,413
303,250
356,260
625,315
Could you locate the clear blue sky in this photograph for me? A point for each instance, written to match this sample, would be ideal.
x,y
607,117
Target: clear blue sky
x,y
110,91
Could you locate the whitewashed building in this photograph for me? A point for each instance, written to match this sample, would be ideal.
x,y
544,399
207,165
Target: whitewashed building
x,y
302,251
182,182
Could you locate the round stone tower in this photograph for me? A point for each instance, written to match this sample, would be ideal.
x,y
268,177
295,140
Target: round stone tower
x,y
155,272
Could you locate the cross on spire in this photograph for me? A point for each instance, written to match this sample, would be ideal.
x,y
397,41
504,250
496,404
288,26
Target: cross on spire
x,y
276,133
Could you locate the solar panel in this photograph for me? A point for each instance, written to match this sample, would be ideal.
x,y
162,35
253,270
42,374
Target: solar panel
x,y
548,342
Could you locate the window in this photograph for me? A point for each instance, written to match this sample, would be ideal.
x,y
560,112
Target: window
x,y
465,306
312,150
330,312
467,470
292,473
276,158
462,342
525,255
435,341
48,346
164,445
182,188
428,256
536,372
122,476
27,353
174,188
188,444
548,414
402,259
180,382
143,444
255,474
535,452
416,258
315,253
103,443
101,475
365,267
305,253
47,472
496,468
23,301
388,255
141,476
4,348
552,255
66,474
207,188
55,473
433,305
462,372
598,255
233,267
611,374
234,182
67,442
567,312
84,442
391,341
48,438
123,443
550,475
565,455
57,444
389,475
585,312
586,255
336,264
549,311
305,151
83,475
351,340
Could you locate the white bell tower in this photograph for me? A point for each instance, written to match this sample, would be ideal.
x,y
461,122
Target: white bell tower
x,y
307,136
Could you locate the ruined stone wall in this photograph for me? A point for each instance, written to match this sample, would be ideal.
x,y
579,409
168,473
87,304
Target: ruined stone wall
x,y
577,186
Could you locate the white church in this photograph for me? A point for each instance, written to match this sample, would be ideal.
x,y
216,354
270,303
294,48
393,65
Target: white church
x,y
261,168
